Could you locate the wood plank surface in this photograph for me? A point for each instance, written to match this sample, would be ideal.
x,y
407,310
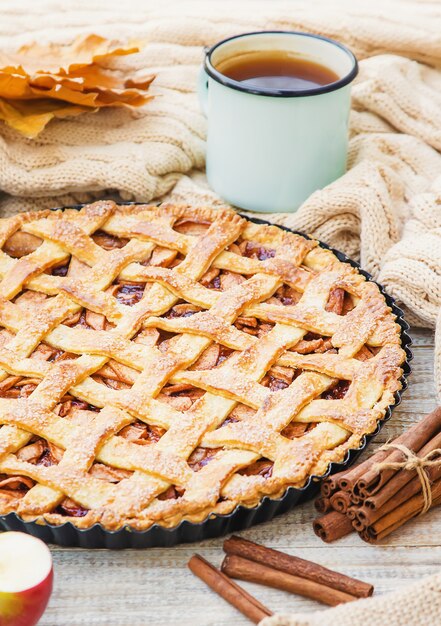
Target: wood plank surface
x,y
155,588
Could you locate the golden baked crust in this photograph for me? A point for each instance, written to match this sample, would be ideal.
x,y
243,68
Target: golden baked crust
x,y
168,363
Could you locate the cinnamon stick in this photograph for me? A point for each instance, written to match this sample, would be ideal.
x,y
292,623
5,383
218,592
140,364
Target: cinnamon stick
x,y
357,523
414,439
296,566
330,484
322,504
244,569
347,480
228,590
341,501
399,516
332,526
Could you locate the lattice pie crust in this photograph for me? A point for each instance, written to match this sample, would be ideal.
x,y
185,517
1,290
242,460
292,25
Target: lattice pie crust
x,y
168,363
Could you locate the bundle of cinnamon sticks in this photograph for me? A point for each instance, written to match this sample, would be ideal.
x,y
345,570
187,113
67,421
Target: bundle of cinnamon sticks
x,y
255,563
378,496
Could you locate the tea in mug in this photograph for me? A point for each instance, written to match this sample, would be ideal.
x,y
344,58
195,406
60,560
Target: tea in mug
x,y
276,69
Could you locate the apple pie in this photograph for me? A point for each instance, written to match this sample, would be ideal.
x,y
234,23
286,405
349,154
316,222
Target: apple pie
x,y
168,363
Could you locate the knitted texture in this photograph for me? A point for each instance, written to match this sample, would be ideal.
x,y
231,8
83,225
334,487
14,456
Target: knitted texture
x,y
385,210
416,605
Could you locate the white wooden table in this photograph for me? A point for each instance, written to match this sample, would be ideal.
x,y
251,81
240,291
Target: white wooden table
x,y
155,588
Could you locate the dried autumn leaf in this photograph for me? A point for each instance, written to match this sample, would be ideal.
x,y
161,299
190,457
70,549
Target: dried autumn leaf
x,y
30,119
38,83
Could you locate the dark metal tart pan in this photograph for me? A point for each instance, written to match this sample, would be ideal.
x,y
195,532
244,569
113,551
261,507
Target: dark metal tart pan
x,y
242,517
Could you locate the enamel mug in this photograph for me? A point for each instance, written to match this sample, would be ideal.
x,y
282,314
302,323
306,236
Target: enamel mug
x,y
269,149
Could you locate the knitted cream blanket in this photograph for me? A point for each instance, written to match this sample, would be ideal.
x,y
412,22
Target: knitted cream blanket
x,y
385,210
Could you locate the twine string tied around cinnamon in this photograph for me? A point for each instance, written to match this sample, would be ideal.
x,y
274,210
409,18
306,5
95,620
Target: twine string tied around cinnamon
x,y
413,462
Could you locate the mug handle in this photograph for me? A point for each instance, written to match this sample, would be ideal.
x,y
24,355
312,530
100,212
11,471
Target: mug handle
x,y
203,90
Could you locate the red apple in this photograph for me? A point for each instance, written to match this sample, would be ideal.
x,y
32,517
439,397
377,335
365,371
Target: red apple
x,y
25,579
